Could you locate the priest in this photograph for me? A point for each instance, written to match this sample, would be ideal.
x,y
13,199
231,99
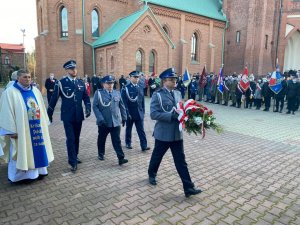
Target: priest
x,y
24,135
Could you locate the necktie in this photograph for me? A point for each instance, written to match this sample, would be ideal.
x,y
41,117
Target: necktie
x,y
172,93
109,93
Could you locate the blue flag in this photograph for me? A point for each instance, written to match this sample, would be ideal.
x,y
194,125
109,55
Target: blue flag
x,y
221,81
186,79
275,81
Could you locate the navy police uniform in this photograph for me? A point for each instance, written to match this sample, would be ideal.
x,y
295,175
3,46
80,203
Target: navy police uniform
x,y
72,92
110,113
167,134
133,98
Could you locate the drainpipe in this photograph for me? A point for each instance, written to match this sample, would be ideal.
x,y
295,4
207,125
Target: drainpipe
x,y
223,41
84,37
278,32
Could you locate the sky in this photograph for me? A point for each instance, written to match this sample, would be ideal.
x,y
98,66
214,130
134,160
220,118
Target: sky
x,y
16,15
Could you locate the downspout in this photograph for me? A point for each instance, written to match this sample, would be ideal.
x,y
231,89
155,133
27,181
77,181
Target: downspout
x,y
84,37
278,32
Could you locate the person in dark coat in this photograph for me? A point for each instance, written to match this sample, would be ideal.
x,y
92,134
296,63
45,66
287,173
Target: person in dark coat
x,y
267,94
279,98
72,92
49,85
134,102
94,82
293,89
122,82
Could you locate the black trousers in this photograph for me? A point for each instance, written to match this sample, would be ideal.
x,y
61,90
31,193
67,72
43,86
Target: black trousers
x,y
139,125
176,147
292,104
258,103
279,101
49,95
267,102
72,130
103,131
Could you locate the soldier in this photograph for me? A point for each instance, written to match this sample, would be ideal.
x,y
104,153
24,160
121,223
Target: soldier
x,y
133,98
227,84
49,85
72,93
250,92
232,89
110,112
279,97
166,132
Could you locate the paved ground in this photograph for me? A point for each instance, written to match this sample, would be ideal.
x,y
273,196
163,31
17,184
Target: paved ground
x,y
250,174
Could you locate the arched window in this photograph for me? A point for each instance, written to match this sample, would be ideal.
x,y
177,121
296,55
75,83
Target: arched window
x,y
151,61
64,22
41,20
112,63
101,64
194,47
166,30
95,23
139,60
6,60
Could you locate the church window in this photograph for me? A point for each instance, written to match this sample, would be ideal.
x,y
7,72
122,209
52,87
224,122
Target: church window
x,y
6,60
64,22
112,63
139,60
41,20
151,61
238,36
95,23
194,47
266,41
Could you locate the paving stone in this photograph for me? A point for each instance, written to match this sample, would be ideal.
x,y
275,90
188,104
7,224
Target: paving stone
x,y
247,176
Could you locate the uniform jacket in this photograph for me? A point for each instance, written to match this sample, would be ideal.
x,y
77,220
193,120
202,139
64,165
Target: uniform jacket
x,y
136,109
71,108
111,110
165,128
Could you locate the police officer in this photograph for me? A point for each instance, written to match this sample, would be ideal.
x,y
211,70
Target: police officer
x,y
166,132
72,92
110,113
133,98
49,85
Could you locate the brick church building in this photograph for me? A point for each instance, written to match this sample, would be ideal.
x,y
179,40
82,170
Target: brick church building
x,y
118,36
259,33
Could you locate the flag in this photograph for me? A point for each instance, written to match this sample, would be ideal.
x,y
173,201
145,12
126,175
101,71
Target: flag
x,y
186,79
203,80
221,81
245,82
275,81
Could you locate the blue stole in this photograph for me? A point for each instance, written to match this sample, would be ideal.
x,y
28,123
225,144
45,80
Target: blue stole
x,y
36,133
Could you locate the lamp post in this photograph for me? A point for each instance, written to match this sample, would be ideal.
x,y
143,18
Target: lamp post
x,y
23,31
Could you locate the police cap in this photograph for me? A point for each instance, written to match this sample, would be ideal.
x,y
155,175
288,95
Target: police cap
x,y
168,73
134,73
71,64
108,79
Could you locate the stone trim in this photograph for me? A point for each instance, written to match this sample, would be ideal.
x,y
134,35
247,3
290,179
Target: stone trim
x,y
165,12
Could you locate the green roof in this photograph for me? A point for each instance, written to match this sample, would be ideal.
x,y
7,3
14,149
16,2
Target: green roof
x,y
207,8
116,31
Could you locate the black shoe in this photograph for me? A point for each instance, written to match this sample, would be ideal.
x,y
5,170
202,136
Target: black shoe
x,y
280,111
123,161
42,176
79,161
101,157
74,168
288,112
129,146
152,181
145,149
266,110
192,191
276,110
293,113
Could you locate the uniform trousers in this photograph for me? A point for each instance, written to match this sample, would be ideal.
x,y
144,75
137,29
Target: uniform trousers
x,y
103,131
72,130
49,95
267,102
279,100
161,147
139,125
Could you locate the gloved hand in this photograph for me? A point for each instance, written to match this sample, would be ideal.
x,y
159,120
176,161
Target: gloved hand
x,y
123,123
87,113
175,116
101,123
